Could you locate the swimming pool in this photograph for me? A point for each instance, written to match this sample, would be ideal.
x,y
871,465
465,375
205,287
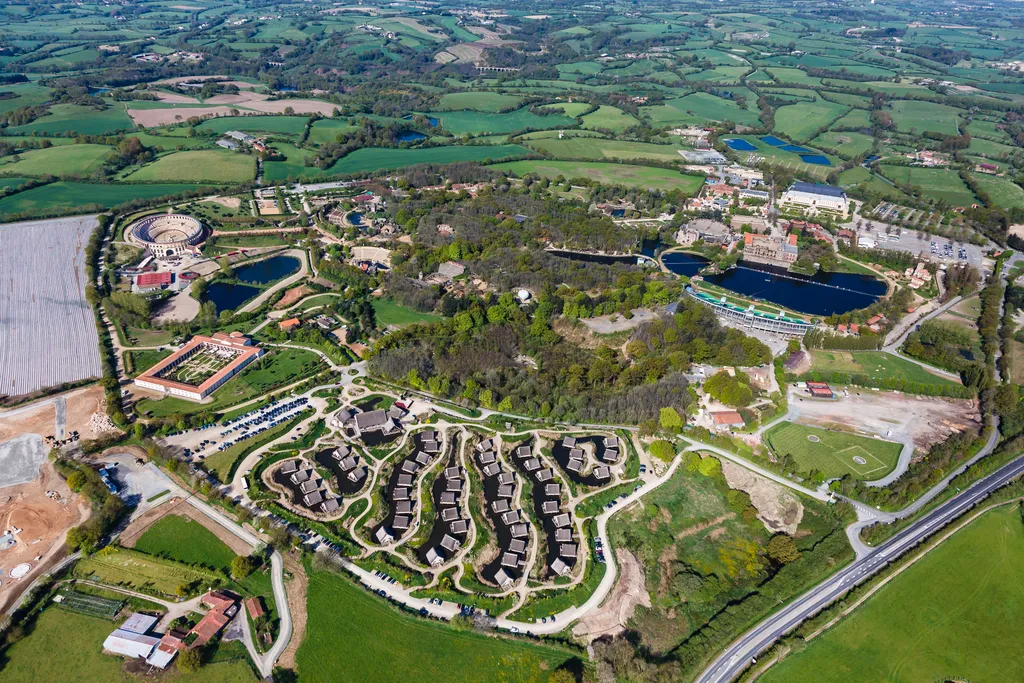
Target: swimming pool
x,y
740,145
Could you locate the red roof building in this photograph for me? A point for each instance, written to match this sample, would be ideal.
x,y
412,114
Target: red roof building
x,y
209,626
792,240
218,600
153,280
727,418
254,607
289,324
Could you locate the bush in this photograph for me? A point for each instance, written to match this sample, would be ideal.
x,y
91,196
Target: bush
x,y
663,450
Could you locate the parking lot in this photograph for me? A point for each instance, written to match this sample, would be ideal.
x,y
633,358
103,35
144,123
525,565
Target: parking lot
x,y
940,249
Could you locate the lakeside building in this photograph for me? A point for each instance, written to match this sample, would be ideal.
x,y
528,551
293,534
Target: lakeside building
x,y
771,250
228,354
815,197
751,318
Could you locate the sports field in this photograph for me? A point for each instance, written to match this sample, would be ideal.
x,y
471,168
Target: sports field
x,y
362,635
609,174
954,615
877,365
198,166
79,641
834,454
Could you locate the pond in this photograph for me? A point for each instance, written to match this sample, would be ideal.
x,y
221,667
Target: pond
x,y
266,271
823,294
618,213
228,296
355,218
773,141
410,136
431,121
740,145
816,159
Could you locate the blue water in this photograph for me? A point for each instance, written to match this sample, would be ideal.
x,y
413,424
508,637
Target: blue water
x,y
431,121
796,149
740,145
98,91
287,89
228,297
355,218
773,141
823,294
410,136
618,213
871,157
265,272
815,159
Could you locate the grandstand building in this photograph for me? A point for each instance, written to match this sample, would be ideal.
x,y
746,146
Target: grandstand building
x,y
814,197
201,366
751,318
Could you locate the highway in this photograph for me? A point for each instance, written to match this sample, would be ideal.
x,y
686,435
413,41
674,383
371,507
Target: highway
x,y
740,653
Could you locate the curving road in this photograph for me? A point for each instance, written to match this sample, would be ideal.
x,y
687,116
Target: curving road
x,y
739,655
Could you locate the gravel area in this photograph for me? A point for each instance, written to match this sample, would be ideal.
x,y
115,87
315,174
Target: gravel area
x,y
49,333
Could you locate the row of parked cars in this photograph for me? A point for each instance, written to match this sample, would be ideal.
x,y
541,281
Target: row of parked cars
x,y
262,423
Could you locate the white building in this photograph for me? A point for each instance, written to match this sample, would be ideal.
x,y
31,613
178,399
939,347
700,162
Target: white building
x,y
815,197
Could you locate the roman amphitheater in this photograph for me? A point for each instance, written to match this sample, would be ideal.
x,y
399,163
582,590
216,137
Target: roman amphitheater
x,y
167,234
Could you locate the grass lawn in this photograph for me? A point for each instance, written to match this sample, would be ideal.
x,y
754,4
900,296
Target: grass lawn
x,y
609,174
478,101
79,641
920,117
12,183
144,360
591,148
352,631
848,145
1005,194
833,453
862,179
876,364
800,121
478,123
184,540
66,197
126,567
80,160
390,313
609,118
327,130
211,166
65,118
954,614
279,368
935,183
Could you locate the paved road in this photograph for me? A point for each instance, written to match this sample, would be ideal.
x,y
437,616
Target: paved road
x,y
735,659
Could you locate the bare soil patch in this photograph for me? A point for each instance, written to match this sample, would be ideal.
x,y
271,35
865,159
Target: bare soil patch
x,y
43,522
149,118
39,420
226,202
613,615
296,592
81,406
175,98
697,528
293,295
777,509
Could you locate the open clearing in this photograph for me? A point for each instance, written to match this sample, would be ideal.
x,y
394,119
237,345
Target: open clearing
x,y
353,631
610,174
877,365
42,266
834,454
953,614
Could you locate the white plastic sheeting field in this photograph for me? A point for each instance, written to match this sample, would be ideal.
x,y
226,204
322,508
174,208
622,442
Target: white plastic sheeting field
x,y
47,330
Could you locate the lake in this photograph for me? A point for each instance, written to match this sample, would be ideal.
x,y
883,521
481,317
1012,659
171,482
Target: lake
x,y
266,271
228,297
410,136
823,294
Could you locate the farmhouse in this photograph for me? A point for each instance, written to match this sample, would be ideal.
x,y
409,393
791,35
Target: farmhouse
x,y
816,197
201,366
725,419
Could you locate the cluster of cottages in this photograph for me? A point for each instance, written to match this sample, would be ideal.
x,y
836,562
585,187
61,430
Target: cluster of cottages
x,y
550,505
403,487
314,494
135,639
455,526
360,422
874,323
577,457
516,540
348,463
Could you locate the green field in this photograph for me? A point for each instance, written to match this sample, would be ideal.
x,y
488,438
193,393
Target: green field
x,y
179,538
833,453
12,183
862,179
275,370
609,174
1004,193
390,313
699,108
200,166
351,631
66,197
856,118
849,145
326,130
953,615
369,159
921,117
569,108
479,123
591,148
74,160
936,183
609,118
144,360
478,101
64,118
79,641
876,364
127,567
801,120
288,125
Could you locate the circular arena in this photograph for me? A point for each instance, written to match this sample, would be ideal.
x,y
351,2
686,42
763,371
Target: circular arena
x,y
167,234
